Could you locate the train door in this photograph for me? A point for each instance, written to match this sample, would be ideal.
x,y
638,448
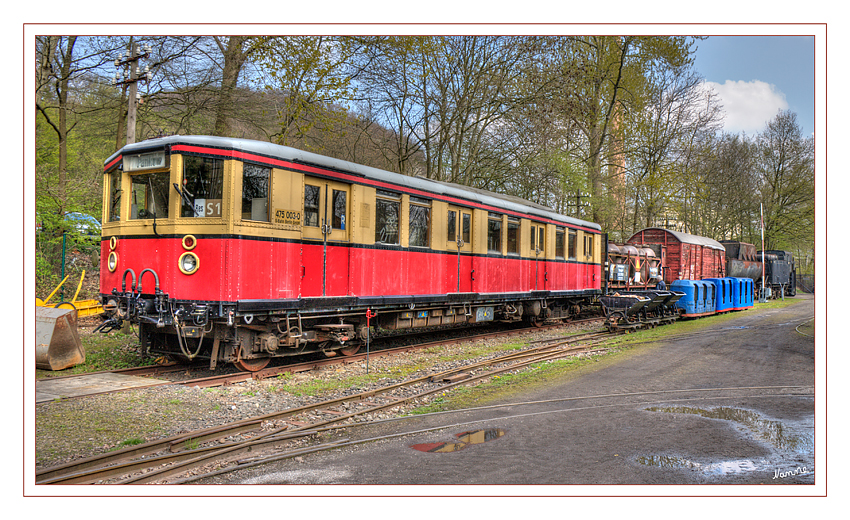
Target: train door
x,y
538,253
459,240
325,238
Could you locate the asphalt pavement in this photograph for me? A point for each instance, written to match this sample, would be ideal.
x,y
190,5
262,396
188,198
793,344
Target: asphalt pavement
x,y
733,404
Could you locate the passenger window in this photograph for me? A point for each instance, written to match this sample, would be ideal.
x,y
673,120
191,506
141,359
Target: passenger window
x,y
387,218
513,236
467,226
559,242
311,205
494,233
255,192
420,222
203,179
338,216
571,245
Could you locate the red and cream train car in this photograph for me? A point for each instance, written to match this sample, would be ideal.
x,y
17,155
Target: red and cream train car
x,y
238,251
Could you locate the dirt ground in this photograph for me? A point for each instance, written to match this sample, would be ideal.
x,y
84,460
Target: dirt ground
x,y
733,404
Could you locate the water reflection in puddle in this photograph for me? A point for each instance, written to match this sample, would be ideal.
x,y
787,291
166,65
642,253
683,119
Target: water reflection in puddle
x,y
716,468
464,439
796,439
775,432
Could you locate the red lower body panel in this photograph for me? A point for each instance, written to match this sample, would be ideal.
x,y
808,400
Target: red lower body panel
x,y
232,269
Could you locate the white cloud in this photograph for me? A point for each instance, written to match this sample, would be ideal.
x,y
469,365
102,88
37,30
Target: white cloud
x,y
749,105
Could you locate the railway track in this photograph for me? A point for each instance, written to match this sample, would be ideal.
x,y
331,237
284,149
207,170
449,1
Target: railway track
x,y
229,377
270,435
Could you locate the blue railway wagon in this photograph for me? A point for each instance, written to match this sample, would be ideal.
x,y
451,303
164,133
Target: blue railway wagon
x,y
698,299
722,293
742,294
708,294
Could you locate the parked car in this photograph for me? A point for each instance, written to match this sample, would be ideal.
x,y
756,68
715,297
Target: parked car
x,y
84,224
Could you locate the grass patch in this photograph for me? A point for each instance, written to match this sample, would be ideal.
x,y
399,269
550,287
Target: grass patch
x,y
99,424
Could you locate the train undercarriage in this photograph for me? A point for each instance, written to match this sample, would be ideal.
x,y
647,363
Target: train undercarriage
x,y
250,333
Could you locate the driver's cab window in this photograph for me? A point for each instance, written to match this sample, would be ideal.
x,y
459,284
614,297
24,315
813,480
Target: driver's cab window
x,y
149,196
203,179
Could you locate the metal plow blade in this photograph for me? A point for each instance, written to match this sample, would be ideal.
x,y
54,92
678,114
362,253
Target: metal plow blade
x,y
57,344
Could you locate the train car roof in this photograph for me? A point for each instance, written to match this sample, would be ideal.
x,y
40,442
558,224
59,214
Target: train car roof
x,y
687,238
271,150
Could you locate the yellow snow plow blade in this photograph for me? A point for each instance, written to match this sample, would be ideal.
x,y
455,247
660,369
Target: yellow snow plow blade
x,y
57,344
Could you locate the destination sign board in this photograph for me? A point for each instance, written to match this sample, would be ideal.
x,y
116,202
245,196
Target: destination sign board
x,y
145,161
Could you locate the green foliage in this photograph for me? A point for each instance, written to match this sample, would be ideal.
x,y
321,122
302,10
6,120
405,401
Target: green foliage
x,y
309,75
613,129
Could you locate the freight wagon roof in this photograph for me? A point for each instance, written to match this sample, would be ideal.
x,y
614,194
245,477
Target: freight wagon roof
x,y
285,153
687,238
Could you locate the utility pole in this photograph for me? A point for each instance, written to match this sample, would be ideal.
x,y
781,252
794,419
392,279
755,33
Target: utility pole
x,y
130,77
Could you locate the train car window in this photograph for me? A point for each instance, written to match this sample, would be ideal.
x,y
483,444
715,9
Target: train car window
x,y
588,246
149,196
420,222
115,204
451,226
538,233
571,245
387,217
338,217
311,205
513,236
559,242
467,228
255,192
494,233
203,179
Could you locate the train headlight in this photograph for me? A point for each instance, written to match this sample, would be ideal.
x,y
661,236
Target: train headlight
x,y
188,263
112,261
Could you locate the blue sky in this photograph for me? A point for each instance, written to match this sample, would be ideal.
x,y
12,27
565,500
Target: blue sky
x,y
756,76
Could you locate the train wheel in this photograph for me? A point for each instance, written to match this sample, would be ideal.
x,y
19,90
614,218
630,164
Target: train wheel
x,y
537,322
252,365
350,350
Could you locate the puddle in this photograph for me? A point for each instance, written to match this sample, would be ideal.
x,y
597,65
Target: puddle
x,y
736,328
715,468
464,439
775,432
661,461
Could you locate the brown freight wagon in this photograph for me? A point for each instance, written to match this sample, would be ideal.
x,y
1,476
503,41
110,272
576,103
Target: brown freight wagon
x,y
683,256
